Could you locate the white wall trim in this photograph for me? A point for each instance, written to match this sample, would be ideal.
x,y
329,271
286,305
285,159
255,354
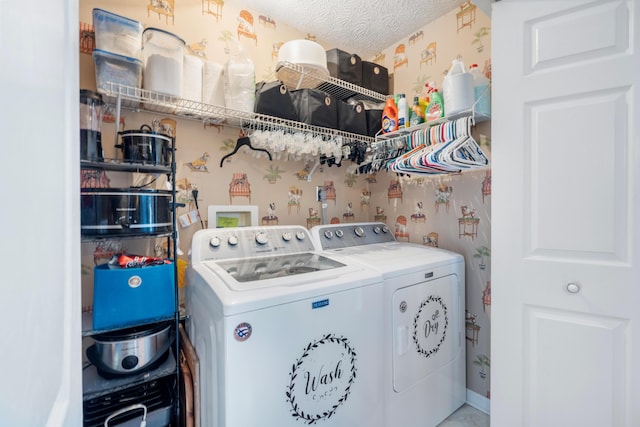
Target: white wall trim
x,y
479,402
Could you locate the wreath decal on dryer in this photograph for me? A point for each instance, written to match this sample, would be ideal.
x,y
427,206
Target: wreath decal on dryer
x,y
298,371
430,325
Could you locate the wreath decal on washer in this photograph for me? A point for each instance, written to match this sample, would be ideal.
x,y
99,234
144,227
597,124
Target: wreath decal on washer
x,y
431,326
320,380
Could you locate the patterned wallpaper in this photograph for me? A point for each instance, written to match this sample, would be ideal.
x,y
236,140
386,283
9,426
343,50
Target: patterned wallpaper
x,y
452,212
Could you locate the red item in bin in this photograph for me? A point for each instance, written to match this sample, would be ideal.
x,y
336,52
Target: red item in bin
x,y
132,261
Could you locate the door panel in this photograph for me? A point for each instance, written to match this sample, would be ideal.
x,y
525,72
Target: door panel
x,y
569,36
565,261
578,213
587,351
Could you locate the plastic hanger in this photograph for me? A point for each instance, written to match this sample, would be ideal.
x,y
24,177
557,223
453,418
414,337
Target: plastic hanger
x,y
243,141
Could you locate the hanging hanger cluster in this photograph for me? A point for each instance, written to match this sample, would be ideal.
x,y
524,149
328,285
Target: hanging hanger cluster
x,y
445,148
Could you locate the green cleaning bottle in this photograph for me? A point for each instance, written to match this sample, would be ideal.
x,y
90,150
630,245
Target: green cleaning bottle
x,y
435,110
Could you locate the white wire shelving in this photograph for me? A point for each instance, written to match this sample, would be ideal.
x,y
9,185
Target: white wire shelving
x,y
295,76
132,98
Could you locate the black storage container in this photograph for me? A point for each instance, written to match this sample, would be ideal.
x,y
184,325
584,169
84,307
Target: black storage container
x,y
352,117
374,121
345,66
274,99
315,107
375,77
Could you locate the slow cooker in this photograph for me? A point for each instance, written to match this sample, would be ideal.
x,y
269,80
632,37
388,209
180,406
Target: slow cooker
x,y
132,350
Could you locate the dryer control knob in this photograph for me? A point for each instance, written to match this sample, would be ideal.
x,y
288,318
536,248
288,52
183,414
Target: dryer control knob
x,y
215,241
385,229
376,229
233,240
300,235
286,236
262,238
359,231
339,233
328,234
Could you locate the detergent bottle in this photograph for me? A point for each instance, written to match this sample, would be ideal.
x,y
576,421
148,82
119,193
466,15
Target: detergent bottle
x,y
389,116
481,91
457,88
416,115
403,112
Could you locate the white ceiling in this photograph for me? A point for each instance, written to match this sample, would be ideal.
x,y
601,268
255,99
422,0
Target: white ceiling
x,y
363,27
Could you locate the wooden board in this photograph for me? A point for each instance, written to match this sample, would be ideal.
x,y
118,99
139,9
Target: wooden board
x,y
194,367
186,393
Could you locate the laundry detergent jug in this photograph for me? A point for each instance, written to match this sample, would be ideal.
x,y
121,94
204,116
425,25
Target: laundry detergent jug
x,y
457,89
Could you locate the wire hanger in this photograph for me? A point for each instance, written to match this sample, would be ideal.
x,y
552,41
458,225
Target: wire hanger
x,y
243,141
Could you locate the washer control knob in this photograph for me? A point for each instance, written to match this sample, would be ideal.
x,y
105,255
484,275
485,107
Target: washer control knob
x,y
286,236
328,234
377,229
215,241
359,231
339,233
233,240
300,235
385,229
261,238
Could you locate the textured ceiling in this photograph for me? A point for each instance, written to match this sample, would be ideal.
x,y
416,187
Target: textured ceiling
x,y
364,27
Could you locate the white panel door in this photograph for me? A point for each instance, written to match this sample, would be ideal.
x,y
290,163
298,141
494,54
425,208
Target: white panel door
x,y
565,251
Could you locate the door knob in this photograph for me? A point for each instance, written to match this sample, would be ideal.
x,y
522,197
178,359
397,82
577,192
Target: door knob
x,y
573,287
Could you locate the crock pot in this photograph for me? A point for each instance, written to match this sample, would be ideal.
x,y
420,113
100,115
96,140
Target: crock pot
x,y
125,212
145,146
131,350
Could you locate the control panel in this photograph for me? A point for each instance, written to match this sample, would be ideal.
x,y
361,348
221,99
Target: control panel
x,y
336,236
238,242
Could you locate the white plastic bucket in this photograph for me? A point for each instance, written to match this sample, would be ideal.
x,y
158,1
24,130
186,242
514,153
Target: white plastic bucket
x,y
457,89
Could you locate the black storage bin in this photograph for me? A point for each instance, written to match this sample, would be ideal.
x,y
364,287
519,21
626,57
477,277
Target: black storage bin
x,y
352,117
375,77
345,66
374,121
315,107
274,99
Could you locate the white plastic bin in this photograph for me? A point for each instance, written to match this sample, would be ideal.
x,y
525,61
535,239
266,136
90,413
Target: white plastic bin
x,y
117,69
117,34
163,57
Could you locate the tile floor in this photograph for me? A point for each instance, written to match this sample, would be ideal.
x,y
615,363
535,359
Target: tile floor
x,y
466,416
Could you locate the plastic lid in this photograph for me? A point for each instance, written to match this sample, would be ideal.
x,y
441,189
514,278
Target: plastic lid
x,y
90,97
148,33
473,66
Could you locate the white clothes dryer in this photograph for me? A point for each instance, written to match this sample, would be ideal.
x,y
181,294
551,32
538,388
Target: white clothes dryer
x,y
285,336
424,337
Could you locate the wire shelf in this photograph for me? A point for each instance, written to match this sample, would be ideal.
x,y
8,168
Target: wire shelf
x,y
144,100
296,76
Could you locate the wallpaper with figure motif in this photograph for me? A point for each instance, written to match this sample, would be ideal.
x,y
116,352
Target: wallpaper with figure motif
x,y
452,212
449,211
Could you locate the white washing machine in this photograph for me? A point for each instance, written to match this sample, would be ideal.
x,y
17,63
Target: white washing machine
x,y
424,337
285,336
